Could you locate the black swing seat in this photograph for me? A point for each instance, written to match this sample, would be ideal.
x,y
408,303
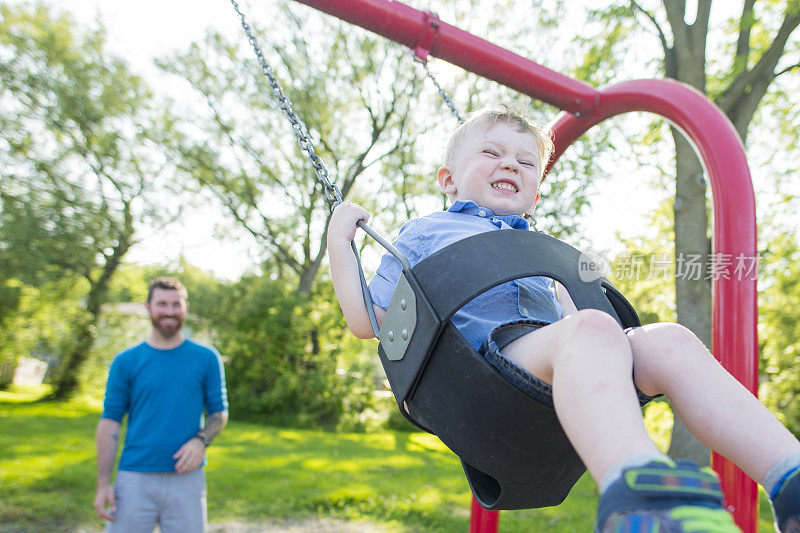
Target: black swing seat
x,y
513,450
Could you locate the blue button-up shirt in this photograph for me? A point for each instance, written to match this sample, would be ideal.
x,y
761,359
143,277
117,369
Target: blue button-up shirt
x,y
532,297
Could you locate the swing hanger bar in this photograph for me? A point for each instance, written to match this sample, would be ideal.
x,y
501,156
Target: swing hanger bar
x,y
426,40
421,52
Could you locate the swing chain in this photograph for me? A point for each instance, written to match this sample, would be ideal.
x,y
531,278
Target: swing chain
x,y
332,192
442,92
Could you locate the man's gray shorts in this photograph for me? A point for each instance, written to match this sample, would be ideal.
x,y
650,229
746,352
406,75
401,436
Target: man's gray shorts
x,y
177,502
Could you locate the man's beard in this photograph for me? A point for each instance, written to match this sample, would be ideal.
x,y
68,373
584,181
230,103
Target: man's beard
x,y
167,330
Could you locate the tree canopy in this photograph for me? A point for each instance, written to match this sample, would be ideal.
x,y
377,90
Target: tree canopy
x,y
79,164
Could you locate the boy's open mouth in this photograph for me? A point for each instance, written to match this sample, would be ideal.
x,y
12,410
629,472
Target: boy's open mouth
x,y
505,186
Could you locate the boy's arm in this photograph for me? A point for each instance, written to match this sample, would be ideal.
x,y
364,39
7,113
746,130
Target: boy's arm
x,y
344,270
567,305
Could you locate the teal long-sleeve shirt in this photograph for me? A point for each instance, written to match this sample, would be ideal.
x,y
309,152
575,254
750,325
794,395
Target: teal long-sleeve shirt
x,y
164,393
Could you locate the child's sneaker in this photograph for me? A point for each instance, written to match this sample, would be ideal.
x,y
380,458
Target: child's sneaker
x,y
662,497
786,505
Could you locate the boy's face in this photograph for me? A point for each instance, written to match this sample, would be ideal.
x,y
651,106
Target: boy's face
x,y
497,168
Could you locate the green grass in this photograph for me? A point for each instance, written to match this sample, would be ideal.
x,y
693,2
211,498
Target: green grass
x,y
397,481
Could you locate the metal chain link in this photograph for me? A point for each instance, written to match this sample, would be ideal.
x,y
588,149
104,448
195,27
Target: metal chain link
x,y
442,93
332,192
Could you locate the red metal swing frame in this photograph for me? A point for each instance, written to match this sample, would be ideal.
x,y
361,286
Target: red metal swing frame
x,y
734,341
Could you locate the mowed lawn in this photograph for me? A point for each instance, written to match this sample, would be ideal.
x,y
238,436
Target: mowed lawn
x,y
390,481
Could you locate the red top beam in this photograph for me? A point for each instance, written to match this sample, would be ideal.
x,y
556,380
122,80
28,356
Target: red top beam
x,y
409,26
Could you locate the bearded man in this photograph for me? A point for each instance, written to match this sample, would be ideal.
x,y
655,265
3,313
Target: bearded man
x,y
164,384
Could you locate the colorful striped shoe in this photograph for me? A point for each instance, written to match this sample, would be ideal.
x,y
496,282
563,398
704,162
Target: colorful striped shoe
x,y
662,497
786,505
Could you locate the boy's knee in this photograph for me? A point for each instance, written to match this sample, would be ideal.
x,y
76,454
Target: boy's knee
x,y
596,326
667,341
594,332
663,353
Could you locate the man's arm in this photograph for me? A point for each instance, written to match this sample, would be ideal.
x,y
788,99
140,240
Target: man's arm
x,y
215,423
107,443
344,270
190,456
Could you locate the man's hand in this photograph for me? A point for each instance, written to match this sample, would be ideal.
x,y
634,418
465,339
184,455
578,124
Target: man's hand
x,y
190,456
103,497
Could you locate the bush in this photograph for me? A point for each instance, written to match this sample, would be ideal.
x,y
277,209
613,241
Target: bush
x,y
779,329
281,352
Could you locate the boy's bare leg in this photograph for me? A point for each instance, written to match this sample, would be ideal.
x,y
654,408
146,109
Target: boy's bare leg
x,y
587,359
669,359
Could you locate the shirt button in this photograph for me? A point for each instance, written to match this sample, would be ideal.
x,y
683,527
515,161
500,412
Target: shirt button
x,y
524,310
482,213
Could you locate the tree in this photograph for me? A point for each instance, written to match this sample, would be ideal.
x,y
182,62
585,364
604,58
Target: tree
x,y
736,78
779,342
368,111
644,270
352,92
78,162
35,321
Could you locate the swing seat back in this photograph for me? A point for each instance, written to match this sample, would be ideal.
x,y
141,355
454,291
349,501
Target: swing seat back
x,y
513,450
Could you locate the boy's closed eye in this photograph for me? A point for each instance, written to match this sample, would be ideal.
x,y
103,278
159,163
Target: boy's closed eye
x,y
495,153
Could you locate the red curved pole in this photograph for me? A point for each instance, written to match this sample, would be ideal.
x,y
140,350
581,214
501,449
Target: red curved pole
x,y
734,296
735,312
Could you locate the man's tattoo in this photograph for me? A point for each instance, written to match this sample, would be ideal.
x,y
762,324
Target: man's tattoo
x,y
214,424
115,436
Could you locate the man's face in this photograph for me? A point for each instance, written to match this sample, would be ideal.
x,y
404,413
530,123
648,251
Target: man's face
x,y
496,168
167,310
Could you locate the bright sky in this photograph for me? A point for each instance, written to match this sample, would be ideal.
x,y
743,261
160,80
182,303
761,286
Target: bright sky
x,y
140,31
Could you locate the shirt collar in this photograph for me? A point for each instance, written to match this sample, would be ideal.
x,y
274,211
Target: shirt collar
x,y
471,208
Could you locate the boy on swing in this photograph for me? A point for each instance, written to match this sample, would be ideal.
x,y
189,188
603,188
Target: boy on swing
x,y
596,375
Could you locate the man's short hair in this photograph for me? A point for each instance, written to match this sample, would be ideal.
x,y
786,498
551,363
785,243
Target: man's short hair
x,y
171,284
487,118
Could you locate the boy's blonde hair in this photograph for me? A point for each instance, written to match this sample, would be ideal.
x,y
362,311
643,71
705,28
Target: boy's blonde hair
x,y
487,118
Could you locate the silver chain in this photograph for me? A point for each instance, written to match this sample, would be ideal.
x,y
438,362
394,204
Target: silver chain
x,y
332,192
442,93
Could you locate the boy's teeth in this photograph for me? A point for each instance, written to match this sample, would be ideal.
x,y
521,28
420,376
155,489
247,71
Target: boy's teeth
x,y
505,186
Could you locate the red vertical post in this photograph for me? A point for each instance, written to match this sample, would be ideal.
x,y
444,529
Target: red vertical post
x,y
481,520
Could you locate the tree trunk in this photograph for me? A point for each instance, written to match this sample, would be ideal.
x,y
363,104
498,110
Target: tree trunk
x,y
692,290
686,62
306,282
69,376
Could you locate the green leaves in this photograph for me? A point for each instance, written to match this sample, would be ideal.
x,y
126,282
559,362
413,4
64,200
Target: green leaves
x,y
351,90
78,162
779,329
